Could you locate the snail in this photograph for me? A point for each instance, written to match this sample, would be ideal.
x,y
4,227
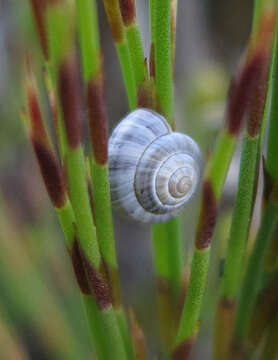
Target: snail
x,y
153,171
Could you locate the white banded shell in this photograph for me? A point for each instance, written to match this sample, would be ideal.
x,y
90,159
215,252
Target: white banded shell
x,y
153,171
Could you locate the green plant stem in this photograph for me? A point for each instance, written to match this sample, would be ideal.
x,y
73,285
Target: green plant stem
x,y
89,38
166,237
237,243
167,263
174,9
114,17
217,170
166,242
136,53
254,271
220,161
191,311
268,98
126,66
163,59
81,205
102,205
92,75
272,144
103,323
107,341
105,234
152,9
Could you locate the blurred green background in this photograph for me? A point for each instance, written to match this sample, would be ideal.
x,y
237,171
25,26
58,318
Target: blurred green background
x,y
41,316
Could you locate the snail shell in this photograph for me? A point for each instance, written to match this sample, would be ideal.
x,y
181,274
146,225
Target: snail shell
x,y
153,171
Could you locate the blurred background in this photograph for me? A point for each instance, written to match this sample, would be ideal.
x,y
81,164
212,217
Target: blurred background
x,y
41,316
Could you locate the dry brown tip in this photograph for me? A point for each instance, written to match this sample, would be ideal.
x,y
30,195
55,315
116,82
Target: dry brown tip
x,y
207,219
114,17
146,94
38,9
97,283
266,29
183,350
242,90
128,11
138,337
68,86
97,119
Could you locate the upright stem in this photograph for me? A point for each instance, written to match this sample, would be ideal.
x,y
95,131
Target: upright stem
x,y
97,119
254,271
241,218
188,325
134,41
166,237
114,17
163,60
240,95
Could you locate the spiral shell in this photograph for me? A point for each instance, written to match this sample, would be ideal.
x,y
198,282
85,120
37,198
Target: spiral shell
x,y
153,171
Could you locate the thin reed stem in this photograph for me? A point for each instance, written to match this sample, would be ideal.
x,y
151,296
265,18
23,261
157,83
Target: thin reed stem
x,y
97,119
241,92
134,41
247,183
253,274
166,238
85,253
163,60
114,18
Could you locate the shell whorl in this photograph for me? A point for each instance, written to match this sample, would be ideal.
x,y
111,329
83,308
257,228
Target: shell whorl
x,y
153,171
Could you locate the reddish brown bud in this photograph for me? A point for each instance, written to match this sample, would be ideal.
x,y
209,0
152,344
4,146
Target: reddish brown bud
x,y
38,9
68,86
97,283
97,119
48,163
128,11
241,91
183,350
37,126
257,101
207,218
79,270
51,173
